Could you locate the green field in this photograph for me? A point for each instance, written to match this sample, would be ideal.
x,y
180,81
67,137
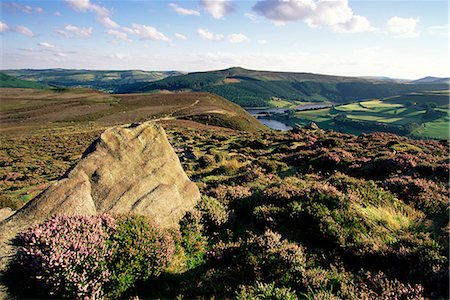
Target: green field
x,y
419,115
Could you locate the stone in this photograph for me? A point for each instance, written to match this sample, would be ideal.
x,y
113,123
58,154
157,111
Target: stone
x,y
312,125
128,169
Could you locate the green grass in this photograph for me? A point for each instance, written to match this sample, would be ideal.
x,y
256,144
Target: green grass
x,y
7,81
437,129
391,111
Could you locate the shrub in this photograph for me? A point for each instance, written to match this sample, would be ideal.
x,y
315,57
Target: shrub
x,y
140,249
230,193
261,291
93,256
68,255
214,212
10,201
424,194
192,239
392,289
264,257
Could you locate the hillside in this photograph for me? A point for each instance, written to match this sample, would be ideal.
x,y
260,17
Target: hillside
x,y
25,108
263,88
103,80
7,81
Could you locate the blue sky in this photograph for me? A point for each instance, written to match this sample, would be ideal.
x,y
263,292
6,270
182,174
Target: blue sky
x,y
401,39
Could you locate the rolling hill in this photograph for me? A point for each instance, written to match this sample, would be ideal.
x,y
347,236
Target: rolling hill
x,y
432,80
102,80
7,81
264,88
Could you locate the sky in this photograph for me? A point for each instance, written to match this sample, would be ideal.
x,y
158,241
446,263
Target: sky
x,y
398,39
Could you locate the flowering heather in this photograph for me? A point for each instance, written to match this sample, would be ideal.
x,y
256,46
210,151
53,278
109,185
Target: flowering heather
x,y
141,249
69,254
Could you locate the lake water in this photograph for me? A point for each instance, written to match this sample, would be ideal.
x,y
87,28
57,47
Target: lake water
x,y
259,113
274,124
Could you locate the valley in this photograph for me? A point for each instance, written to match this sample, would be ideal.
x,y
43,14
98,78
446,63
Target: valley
x,y
418,115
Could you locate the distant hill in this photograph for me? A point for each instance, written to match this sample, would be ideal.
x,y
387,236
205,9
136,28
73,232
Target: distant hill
x,y
432,80
7,81
101,80
264,88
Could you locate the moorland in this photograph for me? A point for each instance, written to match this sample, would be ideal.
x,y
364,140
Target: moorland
x,y
306,213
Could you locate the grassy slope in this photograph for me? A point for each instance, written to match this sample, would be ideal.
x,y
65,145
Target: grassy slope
x,y
257,88
7,81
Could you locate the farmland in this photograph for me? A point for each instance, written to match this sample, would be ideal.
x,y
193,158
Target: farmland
x,y
419,115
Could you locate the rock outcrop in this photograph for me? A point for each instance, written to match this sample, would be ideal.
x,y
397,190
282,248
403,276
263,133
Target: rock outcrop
x,y
312,125
130,169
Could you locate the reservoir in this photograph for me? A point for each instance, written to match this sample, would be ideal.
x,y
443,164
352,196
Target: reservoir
x,y
263,114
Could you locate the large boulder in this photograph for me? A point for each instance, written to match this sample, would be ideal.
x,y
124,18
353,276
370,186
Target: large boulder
x,y
128,169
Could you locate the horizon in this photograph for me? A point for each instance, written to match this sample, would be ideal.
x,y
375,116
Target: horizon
x,y
395,39
189,72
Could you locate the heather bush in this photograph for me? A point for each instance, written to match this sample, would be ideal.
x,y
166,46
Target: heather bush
x,y
423,194
140,250
264,257
380,287
91,257
265,291
214,212
68,255
231,193
193,240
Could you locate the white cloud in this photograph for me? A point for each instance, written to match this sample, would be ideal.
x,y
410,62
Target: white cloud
x,y
63,33
86,5
39,10
209,36
285,11
184,11
103,14
24,30
46,45
3,27
18,7
71,30
108,22
180,36
58,14
147,32
262,42
356,24
403,27
336,14
60,54
253,18
217,8
118,34
236,38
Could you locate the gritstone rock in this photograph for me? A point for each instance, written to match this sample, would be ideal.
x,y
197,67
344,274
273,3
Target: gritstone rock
x,y
130,169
